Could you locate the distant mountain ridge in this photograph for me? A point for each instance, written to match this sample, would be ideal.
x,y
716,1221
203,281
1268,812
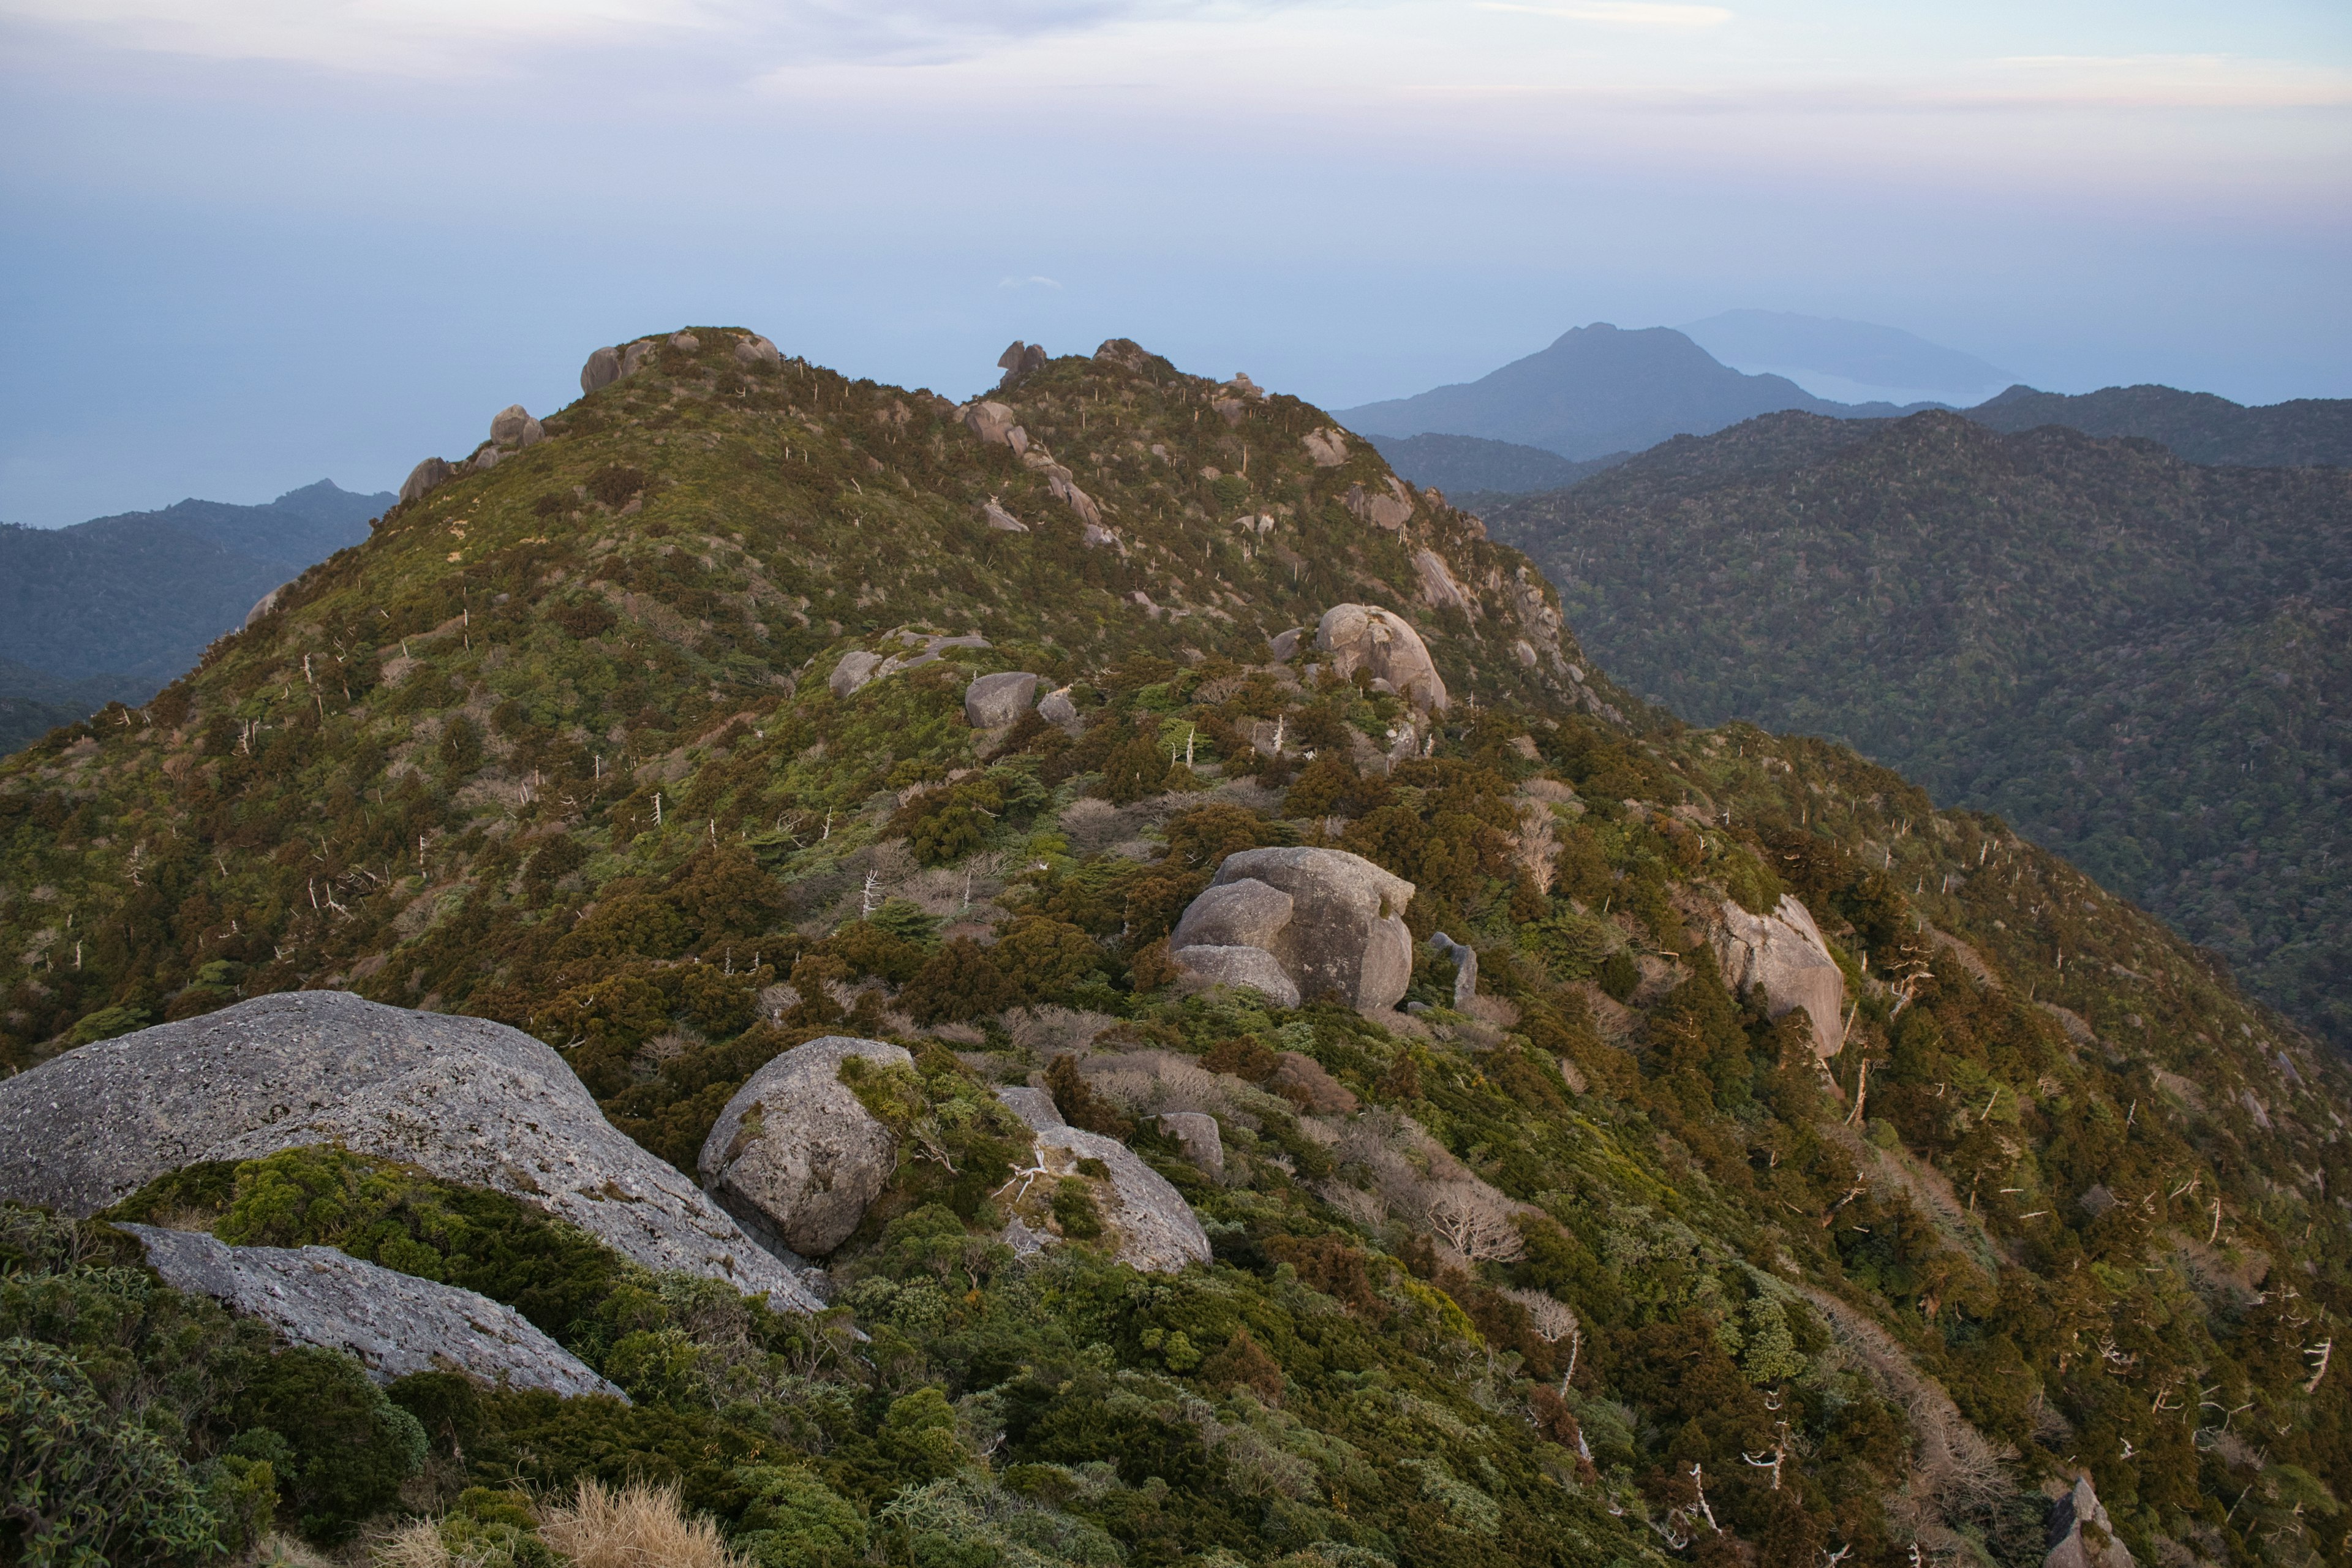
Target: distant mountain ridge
x,y
1860,353
2196,426
112,609
1598,390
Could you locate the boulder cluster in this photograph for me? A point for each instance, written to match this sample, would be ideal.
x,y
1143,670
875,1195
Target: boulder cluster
x,y
1299,924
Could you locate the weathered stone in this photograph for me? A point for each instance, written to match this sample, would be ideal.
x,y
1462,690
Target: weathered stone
x,y
1095,534
756,350
1036,1107
265,605
794,1156
634,356
1244,913
1056,709
1150,1227
1347,936
1284,645
424,478
1125,352
1465,967
1438,587
394,1323
1014,356
856,669
1244,968
994,701
485,460
513,427
1328,447
686,343
1783,953
2080,1533
1065,489
1365,636
602,369
1391,511
994,423
997,517
1204,1145
468,1101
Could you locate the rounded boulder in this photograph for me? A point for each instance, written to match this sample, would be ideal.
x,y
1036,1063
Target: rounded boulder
x,y
795,1157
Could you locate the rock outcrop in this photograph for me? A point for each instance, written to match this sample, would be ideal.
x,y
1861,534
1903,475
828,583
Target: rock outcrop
x,y
992,701
1365,636
1391,511
1783,953
1464,959
602,369
512,427
993,513
394,1323
1329,447
265,604
2081,1536
1326,922
995,424
1056,709
1150,1227
424,478
756,350
795,1157
468,1101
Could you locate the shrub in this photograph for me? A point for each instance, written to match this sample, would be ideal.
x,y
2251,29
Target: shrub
x,y
796,1521
85,1484
338,1447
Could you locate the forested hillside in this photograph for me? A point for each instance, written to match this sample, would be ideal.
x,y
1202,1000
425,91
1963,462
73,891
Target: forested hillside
x,y
2139,662
1597,1260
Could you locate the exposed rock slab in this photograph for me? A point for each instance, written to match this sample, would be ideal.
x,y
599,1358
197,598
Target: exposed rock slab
x,y
1365,636
513,427
424,478
1036,1107
468,1101
602,369
795,1157
1783,953
394,1323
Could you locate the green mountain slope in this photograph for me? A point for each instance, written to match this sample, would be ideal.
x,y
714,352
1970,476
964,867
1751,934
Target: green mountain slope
x,y
2140,662
1605,1264
2198,425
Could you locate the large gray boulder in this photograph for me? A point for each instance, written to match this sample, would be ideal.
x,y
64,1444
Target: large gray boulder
x,y
1344,937
1150,1227
394,1323
1244,912
2080,1533
756,351
992,701
602,369
795,1157
424,478
994,423
1365,636
856,669
512,427
1783,954
468,1101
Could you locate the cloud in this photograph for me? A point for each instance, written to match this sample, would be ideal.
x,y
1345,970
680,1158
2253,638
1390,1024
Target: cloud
x,y
1031,281
2168,82
1644,14
477,37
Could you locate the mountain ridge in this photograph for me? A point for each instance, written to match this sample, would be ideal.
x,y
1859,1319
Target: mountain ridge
x,y
674,730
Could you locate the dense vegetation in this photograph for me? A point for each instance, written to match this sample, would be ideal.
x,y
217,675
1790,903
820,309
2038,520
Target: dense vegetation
x,y
1471,467
1609,1267
2142,663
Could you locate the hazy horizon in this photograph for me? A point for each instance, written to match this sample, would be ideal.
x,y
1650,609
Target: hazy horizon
x,y
254,244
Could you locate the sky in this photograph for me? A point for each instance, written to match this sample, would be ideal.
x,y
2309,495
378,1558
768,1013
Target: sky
x,y
247,244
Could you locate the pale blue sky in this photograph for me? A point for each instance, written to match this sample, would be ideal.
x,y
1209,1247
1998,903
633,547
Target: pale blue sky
x,y
253,242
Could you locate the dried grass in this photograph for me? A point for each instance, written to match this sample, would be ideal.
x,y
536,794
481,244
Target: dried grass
x,y
416,1544
275,1551
639,1526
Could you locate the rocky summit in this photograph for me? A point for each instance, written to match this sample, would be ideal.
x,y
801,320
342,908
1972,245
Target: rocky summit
x,y
1089,976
